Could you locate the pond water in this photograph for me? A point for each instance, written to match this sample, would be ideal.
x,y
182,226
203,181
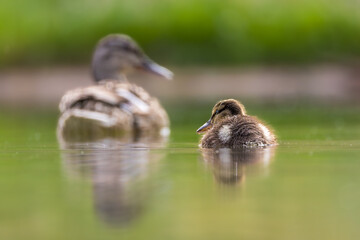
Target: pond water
x,y
305,188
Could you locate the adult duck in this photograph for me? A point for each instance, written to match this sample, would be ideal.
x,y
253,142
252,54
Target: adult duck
x,y
114,106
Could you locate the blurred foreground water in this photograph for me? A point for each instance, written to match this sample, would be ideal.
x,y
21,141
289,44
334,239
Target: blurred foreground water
x,y
305,188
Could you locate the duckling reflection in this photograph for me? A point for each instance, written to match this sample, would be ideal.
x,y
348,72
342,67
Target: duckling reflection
x,y
121,176
230,166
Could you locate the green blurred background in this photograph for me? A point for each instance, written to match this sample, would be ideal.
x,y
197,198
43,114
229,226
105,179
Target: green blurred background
x,y
182,32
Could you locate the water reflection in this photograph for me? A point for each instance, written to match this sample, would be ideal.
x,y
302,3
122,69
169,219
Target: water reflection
x,y
71,129
230,167
121,173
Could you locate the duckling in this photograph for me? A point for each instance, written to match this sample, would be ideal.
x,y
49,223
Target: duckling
x,y
114,103
230,127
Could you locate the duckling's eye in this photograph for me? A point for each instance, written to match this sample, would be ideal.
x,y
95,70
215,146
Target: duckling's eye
x,y
219,110
216,113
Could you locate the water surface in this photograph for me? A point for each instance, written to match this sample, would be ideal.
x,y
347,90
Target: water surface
x,y
305,188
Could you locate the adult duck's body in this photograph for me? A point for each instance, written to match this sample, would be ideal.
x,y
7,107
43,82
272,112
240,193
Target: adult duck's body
x,y
114,106
230,127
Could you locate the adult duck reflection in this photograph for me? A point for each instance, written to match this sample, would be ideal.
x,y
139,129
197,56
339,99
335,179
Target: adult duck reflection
x,y
120,175
230,166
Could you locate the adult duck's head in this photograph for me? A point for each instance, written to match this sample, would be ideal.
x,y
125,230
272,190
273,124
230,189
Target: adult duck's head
x,y
221,111
117,54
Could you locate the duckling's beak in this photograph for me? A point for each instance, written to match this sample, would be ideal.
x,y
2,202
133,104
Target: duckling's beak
x,y
204,127
155,68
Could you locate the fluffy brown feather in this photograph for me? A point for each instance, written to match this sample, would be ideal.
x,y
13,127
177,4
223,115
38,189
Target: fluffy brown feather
x,y
230,127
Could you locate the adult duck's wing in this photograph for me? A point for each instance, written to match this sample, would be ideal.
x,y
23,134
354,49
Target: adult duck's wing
x,y
94,112
99,93
149,115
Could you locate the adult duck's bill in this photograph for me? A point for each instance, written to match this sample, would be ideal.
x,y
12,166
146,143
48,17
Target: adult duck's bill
x,y
204,127
155,68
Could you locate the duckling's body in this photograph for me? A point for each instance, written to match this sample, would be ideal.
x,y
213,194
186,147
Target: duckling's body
x,y
115,105
236,132
230,127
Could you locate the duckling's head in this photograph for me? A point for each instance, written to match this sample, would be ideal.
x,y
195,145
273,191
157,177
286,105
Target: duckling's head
x,y
221,111
118,54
